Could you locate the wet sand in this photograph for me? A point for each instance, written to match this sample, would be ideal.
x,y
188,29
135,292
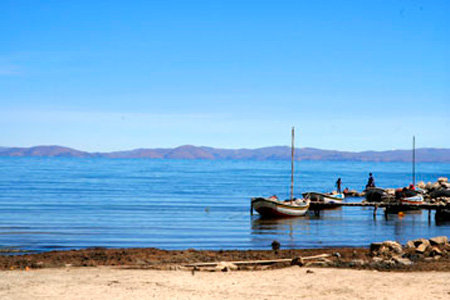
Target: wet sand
x,y
287,283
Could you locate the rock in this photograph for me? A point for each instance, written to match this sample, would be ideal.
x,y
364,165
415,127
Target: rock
x,y
297,261
276,245
375,247
410,244
337,255
445,185
435,251
357,262
421,185
439,240
377,259
393,246
422,248
442,179
428,186
226,266
436,186
421,241
402,261
309,271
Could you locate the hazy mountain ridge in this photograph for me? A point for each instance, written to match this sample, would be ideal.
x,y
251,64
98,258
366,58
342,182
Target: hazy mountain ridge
x,y
209,153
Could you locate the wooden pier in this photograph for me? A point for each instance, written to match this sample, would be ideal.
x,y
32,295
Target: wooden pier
x,y
390,207
433,206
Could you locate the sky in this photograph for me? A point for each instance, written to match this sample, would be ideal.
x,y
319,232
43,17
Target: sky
x,y
118,75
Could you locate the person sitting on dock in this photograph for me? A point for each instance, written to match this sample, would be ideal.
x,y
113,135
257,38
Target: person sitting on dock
x,y
370,182
338,185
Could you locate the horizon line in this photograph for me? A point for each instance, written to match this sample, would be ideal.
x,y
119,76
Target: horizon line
x,y
219,148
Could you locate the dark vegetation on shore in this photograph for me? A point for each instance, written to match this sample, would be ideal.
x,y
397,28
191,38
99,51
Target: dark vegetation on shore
x,y
209,153
419,255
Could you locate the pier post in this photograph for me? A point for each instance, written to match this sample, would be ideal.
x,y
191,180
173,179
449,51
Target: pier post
x,y
375,211
385,213
429,216
317,212
251,208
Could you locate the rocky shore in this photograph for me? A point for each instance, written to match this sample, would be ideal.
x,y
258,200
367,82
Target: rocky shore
x,y
417,255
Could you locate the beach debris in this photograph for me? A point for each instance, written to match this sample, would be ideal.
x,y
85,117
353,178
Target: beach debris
x,y
309,271
297,261
224,266
261,262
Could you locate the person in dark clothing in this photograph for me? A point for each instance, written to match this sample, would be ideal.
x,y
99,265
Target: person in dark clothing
x,y
338,185
370,182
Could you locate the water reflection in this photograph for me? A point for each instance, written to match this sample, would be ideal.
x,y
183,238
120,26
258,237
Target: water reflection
x,y
279,226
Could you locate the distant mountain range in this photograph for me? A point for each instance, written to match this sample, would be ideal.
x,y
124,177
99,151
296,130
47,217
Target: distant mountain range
x,y
267,153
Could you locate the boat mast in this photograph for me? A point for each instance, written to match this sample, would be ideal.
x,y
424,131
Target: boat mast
x,y
292,165
414,161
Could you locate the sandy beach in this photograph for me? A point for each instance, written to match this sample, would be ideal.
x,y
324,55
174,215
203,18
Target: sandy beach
x,y
287,283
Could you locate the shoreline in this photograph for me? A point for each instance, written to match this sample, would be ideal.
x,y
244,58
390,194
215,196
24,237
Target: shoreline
x,y
159,259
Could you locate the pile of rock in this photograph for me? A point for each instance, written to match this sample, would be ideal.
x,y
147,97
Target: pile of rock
x,y
392,253
438,191
431,249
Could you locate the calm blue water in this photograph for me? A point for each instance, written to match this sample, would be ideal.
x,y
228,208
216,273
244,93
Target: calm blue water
x,y
62,203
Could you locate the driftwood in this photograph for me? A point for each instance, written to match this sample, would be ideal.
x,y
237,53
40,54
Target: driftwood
x,y
260,262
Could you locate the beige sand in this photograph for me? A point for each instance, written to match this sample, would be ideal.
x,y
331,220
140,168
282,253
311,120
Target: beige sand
x,y
289,283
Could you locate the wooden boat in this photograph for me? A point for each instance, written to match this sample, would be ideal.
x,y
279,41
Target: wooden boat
x,y
407,200
417,199
375,194
325,198
330,200
271,207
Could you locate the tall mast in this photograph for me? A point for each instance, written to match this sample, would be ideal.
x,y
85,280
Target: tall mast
x,y
414,161
292,165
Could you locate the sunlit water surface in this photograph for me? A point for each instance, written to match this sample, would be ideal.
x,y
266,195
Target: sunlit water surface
x,y
64,203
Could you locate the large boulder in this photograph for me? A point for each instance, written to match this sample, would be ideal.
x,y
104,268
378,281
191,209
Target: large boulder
x,y
423,247
439,240
386,249
435,251
436,186
421,185
393,246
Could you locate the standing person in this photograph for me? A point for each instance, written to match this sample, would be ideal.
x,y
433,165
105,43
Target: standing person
x,y
370,182
338,185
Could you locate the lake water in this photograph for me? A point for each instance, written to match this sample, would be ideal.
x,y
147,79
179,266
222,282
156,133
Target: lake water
x,y
64,203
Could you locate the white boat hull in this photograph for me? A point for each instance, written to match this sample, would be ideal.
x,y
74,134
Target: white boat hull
x,y
325,198
278,209
417,199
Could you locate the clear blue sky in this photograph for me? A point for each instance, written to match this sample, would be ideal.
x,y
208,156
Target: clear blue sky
x,y
115,75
